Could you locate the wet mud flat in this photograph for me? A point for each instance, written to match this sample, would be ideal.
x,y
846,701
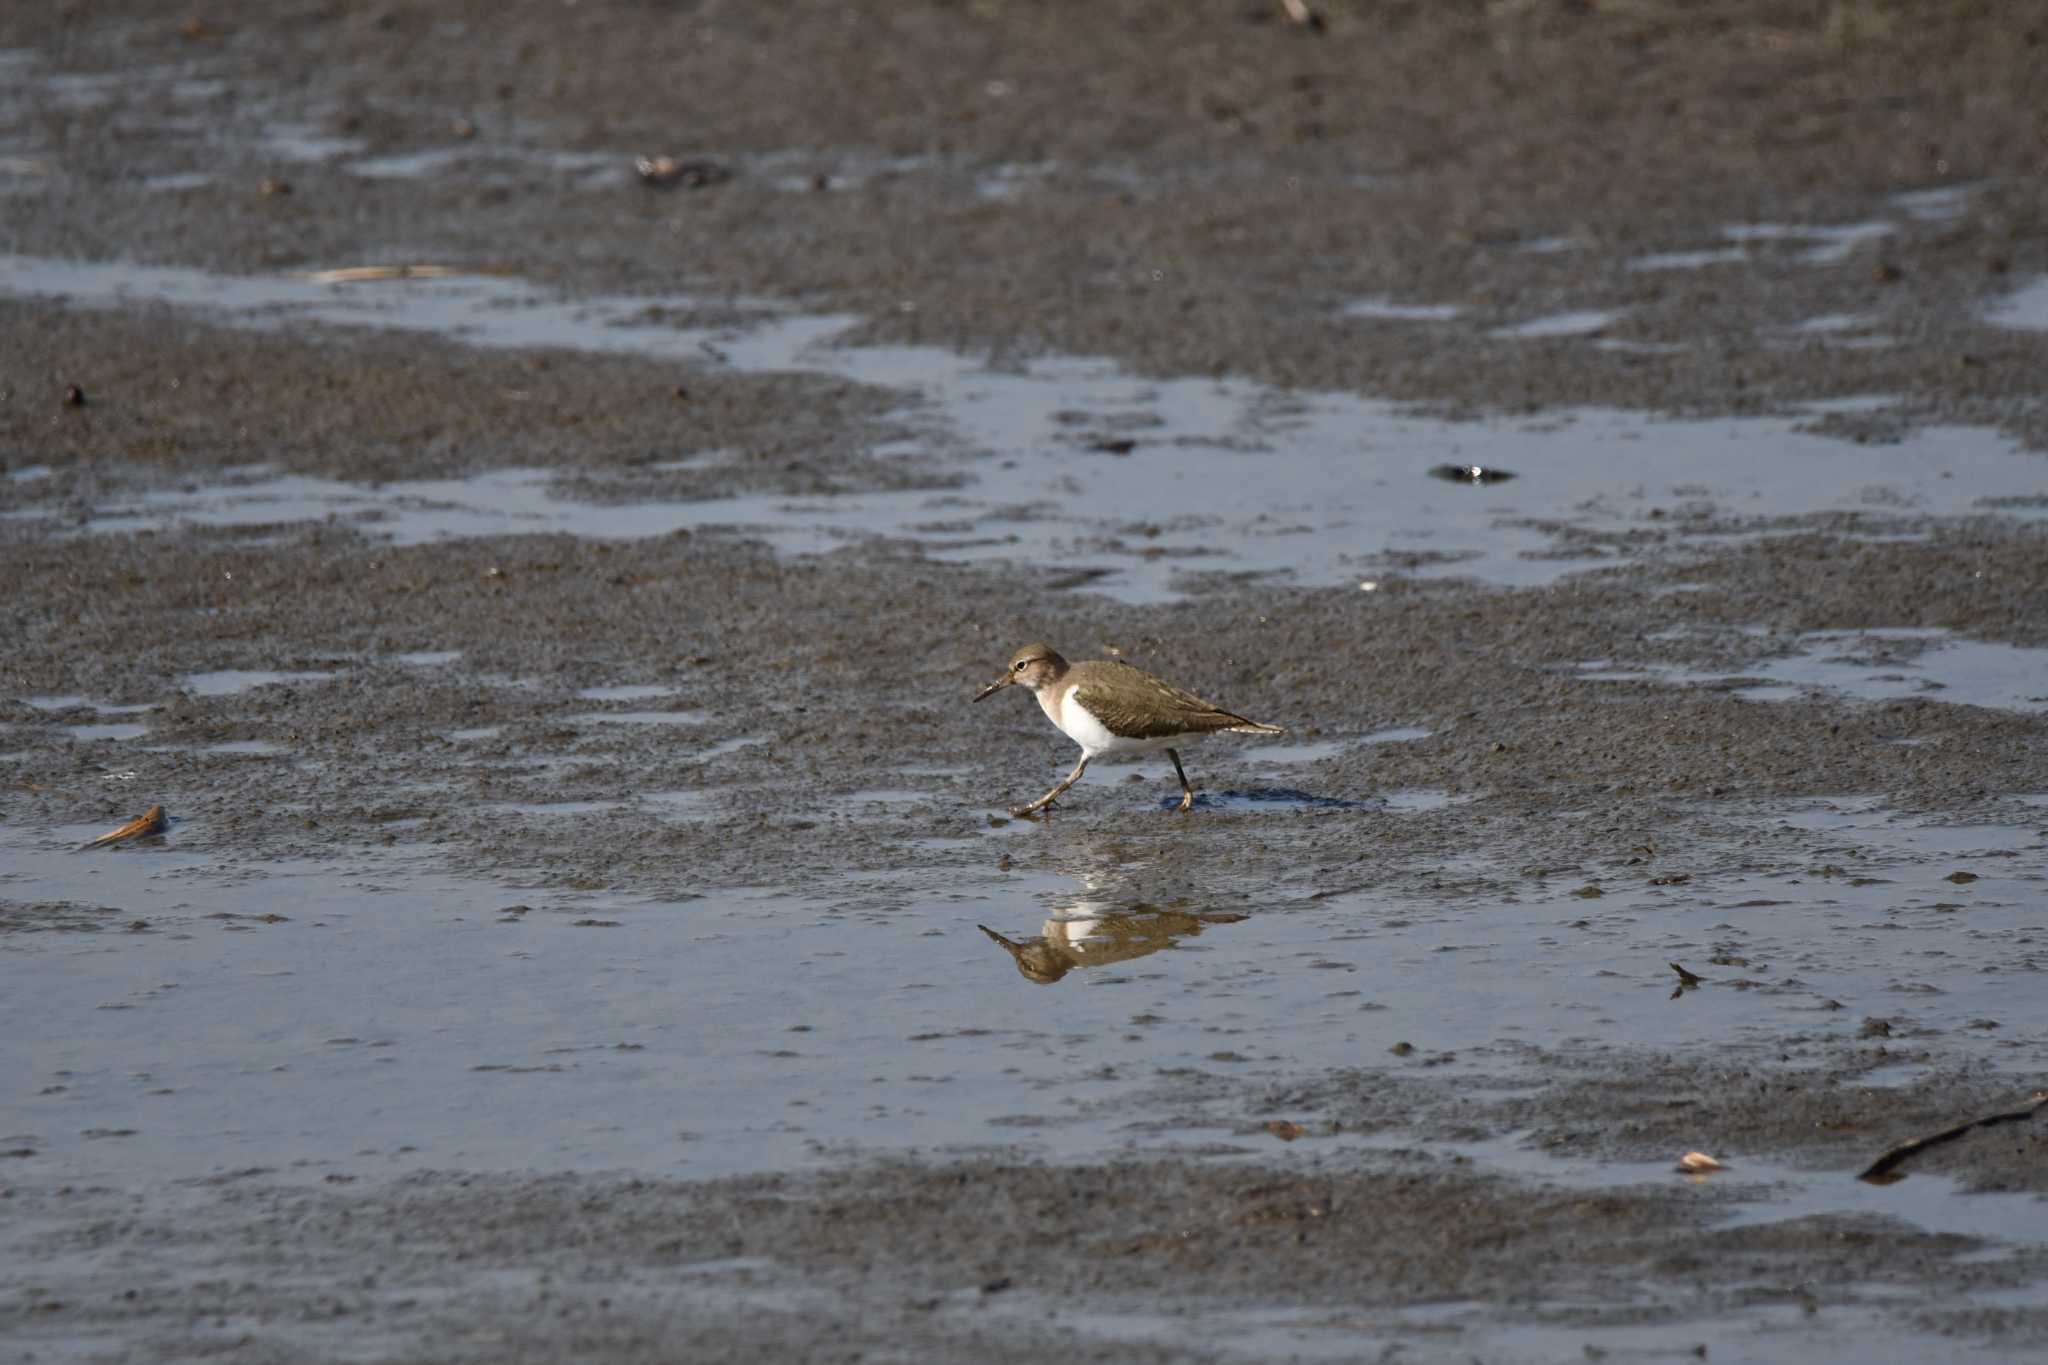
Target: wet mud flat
x,y
588,924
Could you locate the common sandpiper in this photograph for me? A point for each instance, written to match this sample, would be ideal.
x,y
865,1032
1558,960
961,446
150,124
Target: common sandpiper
x,y
1109,707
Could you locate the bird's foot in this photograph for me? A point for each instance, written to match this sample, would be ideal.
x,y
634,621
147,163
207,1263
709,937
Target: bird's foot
x,y
1187,802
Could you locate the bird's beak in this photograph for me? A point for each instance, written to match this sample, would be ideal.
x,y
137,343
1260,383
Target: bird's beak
x,y
1009,946
998,685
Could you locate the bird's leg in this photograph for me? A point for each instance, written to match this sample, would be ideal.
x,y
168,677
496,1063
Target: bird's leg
x,y
1057,792
1187,793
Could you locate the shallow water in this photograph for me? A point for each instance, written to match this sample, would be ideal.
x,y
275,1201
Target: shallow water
x,y
1389,311
105,708
1581,323
626,692
394,1016
1812,244
228,682
2026,307
1871,665
1321,488
111,730
1763,1334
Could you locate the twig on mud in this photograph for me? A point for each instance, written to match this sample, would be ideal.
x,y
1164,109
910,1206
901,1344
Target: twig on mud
x,y
1893,1156
151,822
363,274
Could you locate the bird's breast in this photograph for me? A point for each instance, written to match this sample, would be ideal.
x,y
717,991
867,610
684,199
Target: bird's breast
x,y
1091,734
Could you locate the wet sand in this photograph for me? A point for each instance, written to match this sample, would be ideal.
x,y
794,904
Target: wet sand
x,y
567,940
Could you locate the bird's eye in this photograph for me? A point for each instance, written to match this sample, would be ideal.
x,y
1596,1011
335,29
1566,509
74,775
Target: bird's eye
x,y
1020,665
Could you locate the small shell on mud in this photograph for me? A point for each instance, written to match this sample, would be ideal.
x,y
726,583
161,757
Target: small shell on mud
x,y
1699,1163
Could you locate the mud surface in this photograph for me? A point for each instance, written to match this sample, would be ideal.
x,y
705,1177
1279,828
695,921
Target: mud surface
x,y
590,925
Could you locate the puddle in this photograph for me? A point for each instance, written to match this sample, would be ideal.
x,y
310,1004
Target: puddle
x,y
733,1031
1767,1330
181,180
1832,322
1821,245
1875,665
301,142
1423,798
1690,260
626,692
1756,1331
228,682
1964,672
475,733
244,746
1010,181
1845,331
638,718
1292,799
103,707
1317,750
2025,308
476,310
1628,347
1769,1192
1350,496
1578,324
1398,735
1300,753
433,658
89,734
414,165
1938,204
1401,312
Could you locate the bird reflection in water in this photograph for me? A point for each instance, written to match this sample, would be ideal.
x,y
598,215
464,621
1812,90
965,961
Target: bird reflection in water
x,y
1109,936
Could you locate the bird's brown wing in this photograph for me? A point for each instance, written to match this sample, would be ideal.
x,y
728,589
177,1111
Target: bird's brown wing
x,y
1141,706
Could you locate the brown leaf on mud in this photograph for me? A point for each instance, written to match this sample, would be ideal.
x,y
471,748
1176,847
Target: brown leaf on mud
x,y
151,821
1284,1129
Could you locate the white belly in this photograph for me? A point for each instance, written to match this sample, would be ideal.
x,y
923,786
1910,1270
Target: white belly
x,y
1094,737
